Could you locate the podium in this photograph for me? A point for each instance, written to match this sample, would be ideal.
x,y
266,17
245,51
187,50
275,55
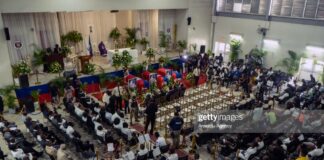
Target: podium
x,y
84,60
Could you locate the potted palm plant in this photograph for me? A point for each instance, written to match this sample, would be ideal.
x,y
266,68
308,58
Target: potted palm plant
x,y
59,83
116,61
144,42
150,53
131,37
291,63
9,98
55,67
126,59
37,62
35,95
22,69
72,38
114,35
163,42
182,45
235,46
138,69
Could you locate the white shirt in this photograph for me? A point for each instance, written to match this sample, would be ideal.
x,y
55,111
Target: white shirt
x,y
129,156
97,109
78,111
316,152
127,132
260,145
101,133
84,119
2,125
114,116
108,116
18,153
142,152
69,131
160,142
115,91
173,156
247,153
106,98
196,72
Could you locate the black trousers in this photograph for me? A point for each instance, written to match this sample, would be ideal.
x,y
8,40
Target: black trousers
x,y
196,80
150,120
119,103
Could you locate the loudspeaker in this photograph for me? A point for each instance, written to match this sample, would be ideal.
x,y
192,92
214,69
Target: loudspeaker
x,y
202,49
189,21
23,81
6,30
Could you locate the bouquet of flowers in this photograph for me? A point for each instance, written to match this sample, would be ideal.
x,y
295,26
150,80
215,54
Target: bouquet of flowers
x,y
55,67
89,68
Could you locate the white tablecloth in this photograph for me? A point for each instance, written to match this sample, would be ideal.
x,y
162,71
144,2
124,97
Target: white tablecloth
x,y
132,52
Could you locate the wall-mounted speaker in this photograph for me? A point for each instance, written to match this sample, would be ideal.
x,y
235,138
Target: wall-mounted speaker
x,y
189,21
114,11
6,30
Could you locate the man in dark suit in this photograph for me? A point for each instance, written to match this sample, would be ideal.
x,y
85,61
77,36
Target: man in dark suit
x,y
150,111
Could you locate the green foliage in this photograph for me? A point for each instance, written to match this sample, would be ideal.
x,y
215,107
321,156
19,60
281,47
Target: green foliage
x,y
144,42
291,63
38,57
235,50
163,40
256,52
83,86
55,67
322,77
71,38
171,82
20,68
126,59
191,78
113,79
114,34
59,83
131,37
209,52
9,95
117,60
89,68
194,46
65,51
182,45
138,69
153,87
35,95
102,79
150,53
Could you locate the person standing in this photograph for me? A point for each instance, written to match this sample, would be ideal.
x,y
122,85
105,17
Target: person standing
x,y
196,73
134,110
175,125
117,93
150,111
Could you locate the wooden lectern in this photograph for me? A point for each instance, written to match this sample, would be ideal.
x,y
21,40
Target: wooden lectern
x,y
84,60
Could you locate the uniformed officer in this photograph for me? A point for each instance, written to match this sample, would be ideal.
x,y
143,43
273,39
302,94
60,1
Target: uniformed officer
x,y
175,125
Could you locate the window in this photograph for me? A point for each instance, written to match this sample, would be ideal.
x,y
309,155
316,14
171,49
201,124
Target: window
x,y
242,6
221,47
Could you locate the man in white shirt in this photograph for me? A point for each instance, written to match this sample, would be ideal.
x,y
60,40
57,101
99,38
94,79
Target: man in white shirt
x,y
172,155
160,141
77,110
106,97
196,73
100,131
245,155
117,93
125,130
70,131
18,153
143,150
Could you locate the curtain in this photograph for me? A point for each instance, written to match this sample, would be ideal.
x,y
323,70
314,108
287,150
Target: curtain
x,y
34,30
147,22
101,22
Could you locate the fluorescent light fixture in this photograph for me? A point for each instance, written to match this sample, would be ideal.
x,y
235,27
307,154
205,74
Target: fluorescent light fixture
x,y
314,49
185,56
271,43
236,37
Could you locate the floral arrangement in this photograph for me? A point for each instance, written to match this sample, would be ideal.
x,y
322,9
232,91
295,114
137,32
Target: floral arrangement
x,y
89,68
35,95
55,67
117,61
150,53
21,68
126,59
190,77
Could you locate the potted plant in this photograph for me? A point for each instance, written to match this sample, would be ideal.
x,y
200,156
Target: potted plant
x,y
89,68
258,55
144,42
235,46
182,45
72,38
131,37
194,47
116,61
163,42
55,67
191,78
150,53
138,69
37,62
114,35
291,63
9,97
22,69
35,95
59,83
126,59
102,79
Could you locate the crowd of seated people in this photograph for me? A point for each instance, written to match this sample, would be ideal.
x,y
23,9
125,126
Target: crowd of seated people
x,y
18,145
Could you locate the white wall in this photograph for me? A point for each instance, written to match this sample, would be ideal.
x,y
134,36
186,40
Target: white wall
x,y
14,6
199,31
291,36
5,67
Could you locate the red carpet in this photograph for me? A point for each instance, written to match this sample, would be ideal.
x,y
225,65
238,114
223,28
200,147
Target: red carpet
x,y
138,127
181,153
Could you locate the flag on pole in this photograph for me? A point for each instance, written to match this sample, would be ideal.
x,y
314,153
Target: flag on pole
x,y
90,47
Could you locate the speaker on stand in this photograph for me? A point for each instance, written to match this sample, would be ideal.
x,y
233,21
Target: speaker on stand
x,y
7,34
